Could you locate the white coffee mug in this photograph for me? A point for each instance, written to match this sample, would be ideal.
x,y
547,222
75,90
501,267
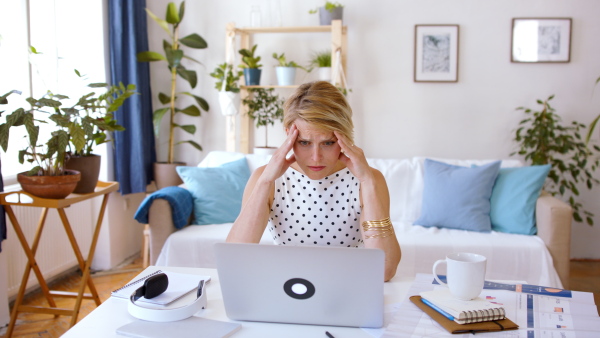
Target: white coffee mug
x,y
465,274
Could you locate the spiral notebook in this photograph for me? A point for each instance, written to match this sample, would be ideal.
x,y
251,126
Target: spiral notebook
x,y
462,311
179,285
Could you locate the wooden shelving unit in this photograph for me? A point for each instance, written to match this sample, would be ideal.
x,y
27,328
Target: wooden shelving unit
x,y
339,42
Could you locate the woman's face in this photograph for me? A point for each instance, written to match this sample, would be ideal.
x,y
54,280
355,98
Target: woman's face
x,y
316,150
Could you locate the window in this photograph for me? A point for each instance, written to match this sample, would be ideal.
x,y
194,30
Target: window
x,y
68,34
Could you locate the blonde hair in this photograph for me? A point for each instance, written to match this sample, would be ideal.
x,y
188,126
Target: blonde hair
x,y
322,104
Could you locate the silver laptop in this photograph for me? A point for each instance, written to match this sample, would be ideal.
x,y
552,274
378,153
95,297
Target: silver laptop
x,y
301,284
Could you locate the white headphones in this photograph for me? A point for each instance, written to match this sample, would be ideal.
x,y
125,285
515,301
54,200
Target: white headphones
x,y
155,286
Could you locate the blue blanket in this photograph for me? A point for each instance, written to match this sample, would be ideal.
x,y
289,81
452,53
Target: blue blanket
x,y
181,202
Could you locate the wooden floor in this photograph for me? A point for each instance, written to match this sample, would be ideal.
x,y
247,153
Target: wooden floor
x,y
585,276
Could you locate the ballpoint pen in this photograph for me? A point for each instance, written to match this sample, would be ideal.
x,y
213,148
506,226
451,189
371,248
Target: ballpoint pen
x,y
329,335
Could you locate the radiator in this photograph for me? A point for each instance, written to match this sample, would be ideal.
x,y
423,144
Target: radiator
x,y
54,254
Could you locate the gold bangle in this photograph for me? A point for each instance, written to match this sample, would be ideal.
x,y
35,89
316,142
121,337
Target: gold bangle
x,y
377,223
382,234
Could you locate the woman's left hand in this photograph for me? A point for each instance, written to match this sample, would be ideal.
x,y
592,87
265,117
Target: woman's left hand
x,y
354,158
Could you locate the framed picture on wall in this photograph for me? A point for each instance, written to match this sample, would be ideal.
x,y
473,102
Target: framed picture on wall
x,y
436,53
541,40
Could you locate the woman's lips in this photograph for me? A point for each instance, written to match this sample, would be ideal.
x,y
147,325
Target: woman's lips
x,y
316,168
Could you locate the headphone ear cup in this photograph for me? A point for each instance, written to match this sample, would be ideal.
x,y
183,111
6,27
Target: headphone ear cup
x,y
155,285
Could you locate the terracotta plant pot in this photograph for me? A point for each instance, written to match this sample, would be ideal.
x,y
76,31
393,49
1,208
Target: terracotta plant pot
x,y
89,167
165,174
52,187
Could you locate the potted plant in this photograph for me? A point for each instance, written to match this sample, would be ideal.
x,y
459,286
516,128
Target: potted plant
x,y
48,178
322,61
164,173
265,107
251,66
542,139
331,11
286,71
594,122
227,85
88,123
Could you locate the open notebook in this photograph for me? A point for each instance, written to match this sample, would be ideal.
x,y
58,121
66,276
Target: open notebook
x,y
179,285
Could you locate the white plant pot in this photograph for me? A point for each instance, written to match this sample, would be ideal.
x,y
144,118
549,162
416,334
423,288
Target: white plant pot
x,y
286,76
229,102
324,74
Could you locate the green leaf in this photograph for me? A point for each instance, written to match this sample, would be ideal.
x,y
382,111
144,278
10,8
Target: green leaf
x,y
189,75
162,23
201,102
150,56
194,41
77,137
164,98
190,110
174,57
194,144
172,14
157,117
190,128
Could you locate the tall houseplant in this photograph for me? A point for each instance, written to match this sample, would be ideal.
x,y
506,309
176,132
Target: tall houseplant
x,y
593,123
542,139
48,178
173,55
265,107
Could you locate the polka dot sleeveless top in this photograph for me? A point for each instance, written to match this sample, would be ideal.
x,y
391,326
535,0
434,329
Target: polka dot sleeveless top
x,y
316,212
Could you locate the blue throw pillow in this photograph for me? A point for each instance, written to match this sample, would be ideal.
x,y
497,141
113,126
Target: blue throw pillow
x,y
514,197
457,197
217,191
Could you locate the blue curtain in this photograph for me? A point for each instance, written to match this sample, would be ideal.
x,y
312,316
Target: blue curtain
x,y
2,215
134,152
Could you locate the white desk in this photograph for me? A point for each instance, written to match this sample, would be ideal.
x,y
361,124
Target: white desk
x,y
105,319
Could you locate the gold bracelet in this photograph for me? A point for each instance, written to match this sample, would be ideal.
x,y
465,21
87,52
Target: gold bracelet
x,y
384,228
381,234
378,223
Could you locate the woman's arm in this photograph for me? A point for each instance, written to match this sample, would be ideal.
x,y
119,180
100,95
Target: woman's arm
x,y
259,192
253,218
375,201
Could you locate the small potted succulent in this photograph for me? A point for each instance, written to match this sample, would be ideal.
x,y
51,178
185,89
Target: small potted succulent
x,y
322,61
227,85
330,11
251,65
286,71
265,107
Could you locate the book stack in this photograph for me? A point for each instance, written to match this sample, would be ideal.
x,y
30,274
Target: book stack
x,y
459,316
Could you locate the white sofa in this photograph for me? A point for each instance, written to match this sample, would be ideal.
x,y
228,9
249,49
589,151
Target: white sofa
x,y
541,259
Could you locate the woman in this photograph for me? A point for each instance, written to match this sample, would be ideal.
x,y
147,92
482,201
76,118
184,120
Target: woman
x,y
324,193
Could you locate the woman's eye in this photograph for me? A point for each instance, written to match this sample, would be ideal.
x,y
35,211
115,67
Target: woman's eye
x,y
329,143
303,143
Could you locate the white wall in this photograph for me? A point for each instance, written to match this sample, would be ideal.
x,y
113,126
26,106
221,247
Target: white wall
x,y
394,116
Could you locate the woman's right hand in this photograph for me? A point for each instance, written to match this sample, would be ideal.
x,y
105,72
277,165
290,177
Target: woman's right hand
x,y
279,163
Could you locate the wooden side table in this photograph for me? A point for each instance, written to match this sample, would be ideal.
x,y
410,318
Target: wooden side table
x,y
20,198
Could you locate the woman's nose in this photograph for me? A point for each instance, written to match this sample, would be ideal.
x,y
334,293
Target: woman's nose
x,y
316,153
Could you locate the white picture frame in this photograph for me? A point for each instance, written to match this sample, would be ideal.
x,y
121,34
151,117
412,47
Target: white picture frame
x,y
541,40
436,53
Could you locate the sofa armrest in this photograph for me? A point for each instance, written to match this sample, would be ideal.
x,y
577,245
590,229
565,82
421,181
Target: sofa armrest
x,y
553,218
160,222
